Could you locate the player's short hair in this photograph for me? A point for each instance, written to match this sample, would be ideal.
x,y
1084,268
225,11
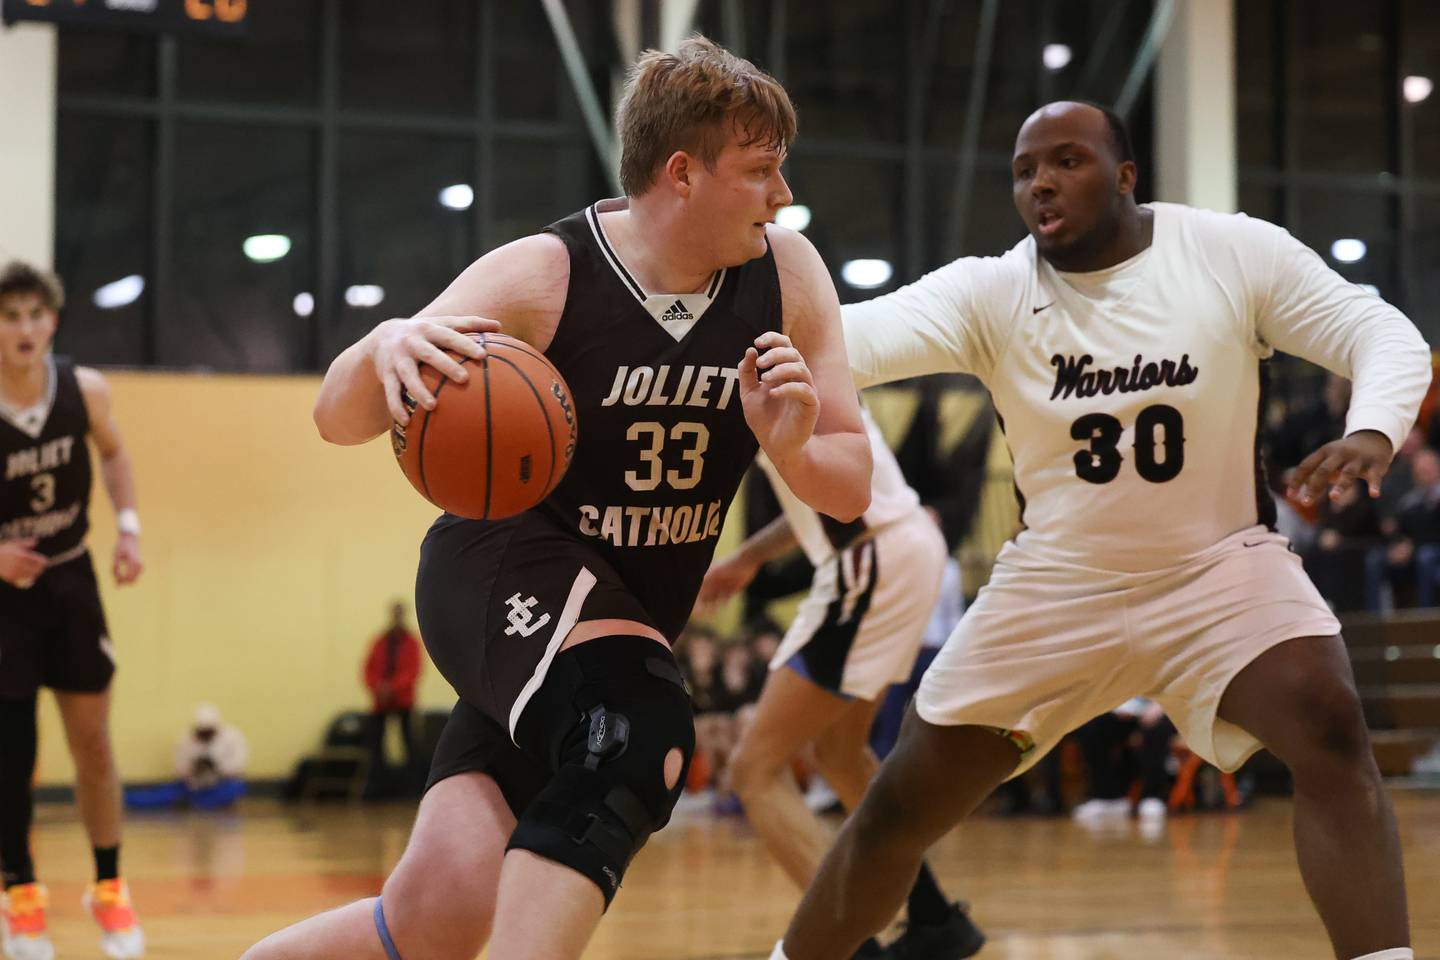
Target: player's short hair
x,y
19,277
692,100
1119,132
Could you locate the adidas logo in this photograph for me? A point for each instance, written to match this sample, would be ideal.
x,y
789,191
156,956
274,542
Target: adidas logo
x,y
676,311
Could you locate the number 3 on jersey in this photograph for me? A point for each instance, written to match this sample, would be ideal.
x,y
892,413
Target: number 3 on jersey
x,y
652,435
1156,428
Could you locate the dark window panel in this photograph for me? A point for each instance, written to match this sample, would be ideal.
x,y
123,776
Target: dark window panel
x,y
103,177
1421,262
1327,215
108,63
395,232
1262,201
412,57
538,183
1257,99
530,77
1420,58
278,62
846,69
228,312
992,226
855,214
1340,88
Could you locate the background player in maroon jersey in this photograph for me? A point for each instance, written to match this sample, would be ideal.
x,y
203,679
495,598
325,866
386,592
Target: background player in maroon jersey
x,y
52,626
690,330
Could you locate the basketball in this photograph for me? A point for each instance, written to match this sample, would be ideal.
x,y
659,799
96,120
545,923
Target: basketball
x,y
495,445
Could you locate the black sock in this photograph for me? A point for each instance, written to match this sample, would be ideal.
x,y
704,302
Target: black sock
x,y
927,904
107,863
17,766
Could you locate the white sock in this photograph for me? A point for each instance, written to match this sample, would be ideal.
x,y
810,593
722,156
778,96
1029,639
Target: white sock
x,y
779,953
1399,953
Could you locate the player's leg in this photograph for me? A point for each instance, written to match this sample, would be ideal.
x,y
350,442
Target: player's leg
x,y
791,713
932,780
1298,698
86,718
18,741
618,772
439,902
935,926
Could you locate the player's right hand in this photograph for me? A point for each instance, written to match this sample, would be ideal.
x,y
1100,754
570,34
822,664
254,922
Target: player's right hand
x,y
20,565
725,578
398,347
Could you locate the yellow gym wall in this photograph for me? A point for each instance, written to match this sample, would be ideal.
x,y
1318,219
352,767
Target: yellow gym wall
x,y
271,560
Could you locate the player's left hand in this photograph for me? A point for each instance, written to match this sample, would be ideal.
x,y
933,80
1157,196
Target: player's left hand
x,y
778,395
1364,455
128,566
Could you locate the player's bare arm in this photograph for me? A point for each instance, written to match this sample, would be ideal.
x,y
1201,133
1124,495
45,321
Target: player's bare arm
x,y
797,392
519,287
727,577
115,470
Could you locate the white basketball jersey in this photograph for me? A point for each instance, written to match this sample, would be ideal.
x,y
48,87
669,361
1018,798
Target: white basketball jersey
x,y
1130,398
891,499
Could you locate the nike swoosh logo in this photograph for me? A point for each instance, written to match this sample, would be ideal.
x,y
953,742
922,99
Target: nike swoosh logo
x,y
1035,310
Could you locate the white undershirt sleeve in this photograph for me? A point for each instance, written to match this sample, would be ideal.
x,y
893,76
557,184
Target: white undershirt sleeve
x,y
929,326
1309,310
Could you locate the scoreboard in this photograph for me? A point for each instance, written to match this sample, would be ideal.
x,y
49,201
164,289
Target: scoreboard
x,y
225,17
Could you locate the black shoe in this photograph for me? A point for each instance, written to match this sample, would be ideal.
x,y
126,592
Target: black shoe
x,y
954,938
870,950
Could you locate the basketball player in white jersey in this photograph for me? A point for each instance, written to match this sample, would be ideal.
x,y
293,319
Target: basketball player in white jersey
x,y
1124,349
859,630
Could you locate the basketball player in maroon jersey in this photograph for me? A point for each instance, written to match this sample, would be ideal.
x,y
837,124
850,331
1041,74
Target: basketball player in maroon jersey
x,y
692,332
52,625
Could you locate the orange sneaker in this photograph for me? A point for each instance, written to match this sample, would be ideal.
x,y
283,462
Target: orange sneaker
x,y
23,935
109,903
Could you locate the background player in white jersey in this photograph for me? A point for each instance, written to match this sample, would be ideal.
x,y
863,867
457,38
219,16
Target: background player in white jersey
x,y
1123,346
52,626
858,631
570,742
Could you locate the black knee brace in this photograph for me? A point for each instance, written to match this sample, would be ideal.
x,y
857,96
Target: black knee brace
x,y
18,740
608,793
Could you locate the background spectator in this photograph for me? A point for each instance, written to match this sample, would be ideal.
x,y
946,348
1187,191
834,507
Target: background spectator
x,y
392,671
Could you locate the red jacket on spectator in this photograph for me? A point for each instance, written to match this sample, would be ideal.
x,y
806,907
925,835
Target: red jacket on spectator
x,y
392,669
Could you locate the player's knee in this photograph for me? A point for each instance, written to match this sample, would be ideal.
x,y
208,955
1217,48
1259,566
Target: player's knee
x,y
618,783
753,769
92,753
1334,739
420,924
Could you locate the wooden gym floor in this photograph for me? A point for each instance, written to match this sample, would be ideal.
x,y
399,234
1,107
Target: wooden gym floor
x,y
1208,886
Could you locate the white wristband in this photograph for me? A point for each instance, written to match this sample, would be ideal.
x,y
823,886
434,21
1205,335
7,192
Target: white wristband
x,y
128,521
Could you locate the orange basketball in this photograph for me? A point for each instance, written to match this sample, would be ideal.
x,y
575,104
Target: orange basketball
x,y
495,445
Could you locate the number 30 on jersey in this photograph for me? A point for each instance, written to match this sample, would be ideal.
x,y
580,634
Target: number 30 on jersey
x,y
1159,445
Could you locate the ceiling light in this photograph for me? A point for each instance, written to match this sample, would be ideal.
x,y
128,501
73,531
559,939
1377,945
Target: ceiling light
x,y
794,217
867,274
121,293
1348,250
267,247
364,295
1056,56
458,196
